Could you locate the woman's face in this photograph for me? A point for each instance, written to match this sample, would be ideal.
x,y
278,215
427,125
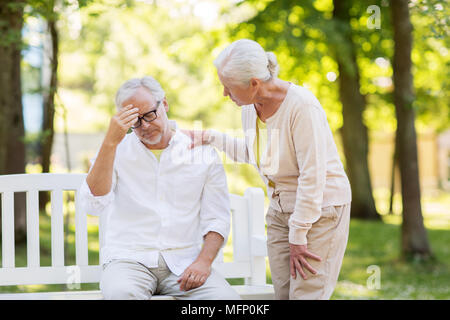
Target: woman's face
x,y
239,93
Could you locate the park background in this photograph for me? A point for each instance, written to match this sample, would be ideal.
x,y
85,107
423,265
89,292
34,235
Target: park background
x,y
74,55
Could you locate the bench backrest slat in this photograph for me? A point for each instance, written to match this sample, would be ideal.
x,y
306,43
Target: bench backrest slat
x,y
258,249
57,223
240,230
32,201
8,257
81,236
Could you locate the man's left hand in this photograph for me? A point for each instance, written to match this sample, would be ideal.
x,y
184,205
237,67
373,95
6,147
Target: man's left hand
x,y
298,256
195,275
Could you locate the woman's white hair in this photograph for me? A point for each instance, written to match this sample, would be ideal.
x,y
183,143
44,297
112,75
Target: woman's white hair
x,y
127,89
245,59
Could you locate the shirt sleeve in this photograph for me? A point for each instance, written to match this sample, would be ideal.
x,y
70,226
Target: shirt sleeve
x,y
235,148
215,203
95,205
309,130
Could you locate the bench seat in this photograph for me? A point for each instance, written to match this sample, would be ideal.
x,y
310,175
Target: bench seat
x,y
264,292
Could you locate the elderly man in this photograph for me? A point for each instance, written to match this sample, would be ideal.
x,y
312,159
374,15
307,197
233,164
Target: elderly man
x,y
167,207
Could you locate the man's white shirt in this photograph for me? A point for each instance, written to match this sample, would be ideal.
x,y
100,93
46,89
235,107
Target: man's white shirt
x,y
161,207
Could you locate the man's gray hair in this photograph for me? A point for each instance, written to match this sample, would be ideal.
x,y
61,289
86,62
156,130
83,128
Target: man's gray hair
x,y
127,89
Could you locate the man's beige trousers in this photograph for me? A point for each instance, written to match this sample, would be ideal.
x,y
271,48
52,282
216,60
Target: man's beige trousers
x,y
131,280
327,238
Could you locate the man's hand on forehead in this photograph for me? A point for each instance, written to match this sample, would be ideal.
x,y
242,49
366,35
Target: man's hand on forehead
x,y
120,123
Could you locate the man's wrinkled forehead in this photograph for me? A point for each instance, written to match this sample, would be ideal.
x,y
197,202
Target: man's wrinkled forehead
x,y
141,98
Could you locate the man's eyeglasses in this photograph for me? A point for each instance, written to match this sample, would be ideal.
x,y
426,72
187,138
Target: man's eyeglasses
x,y
147,117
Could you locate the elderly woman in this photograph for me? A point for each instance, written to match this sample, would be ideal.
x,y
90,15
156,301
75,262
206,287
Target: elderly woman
x,y
288,139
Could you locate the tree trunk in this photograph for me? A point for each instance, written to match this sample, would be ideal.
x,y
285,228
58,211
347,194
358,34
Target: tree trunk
x,y
393,173
354,132
414,235
49,105
12,131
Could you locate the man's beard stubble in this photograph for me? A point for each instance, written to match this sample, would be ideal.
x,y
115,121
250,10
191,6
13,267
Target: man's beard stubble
x,y
152,141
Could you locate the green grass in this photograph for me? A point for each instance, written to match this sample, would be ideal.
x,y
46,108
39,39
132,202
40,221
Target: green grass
x,y
370,244
378,244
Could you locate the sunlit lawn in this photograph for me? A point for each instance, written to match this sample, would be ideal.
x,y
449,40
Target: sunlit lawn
x,y
370,244
377,243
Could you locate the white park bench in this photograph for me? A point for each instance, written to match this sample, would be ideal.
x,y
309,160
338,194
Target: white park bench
x,y
248,238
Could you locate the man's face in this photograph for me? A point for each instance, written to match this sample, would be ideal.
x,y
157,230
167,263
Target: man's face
x,y
149,132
